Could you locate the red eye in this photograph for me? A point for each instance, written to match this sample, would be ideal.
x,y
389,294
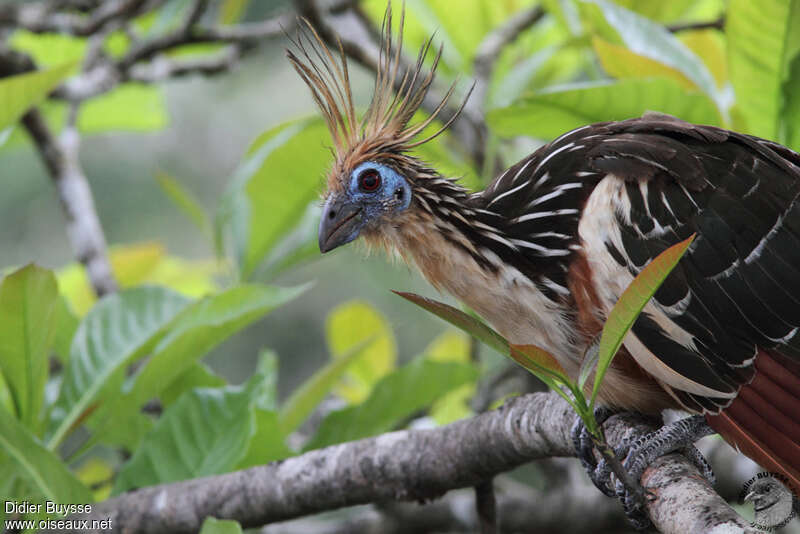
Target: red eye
x,y
369,180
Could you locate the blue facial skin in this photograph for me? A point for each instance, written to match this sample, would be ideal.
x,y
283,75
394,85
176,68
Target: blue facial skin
x,y
393,192
345,216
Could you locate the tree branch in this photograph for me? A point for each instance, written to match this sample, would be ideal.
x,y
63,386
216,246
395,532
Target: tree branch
x,y
41,17
60,156
145,61
492,46
409,465
83,225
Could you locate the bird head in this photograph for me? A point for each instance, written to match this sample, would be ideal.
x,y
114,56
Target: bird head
x,y
374,179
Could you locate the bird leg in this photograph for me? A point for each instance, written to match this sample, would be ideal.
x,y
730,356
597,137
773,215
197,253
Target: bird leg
x,y
639,454
677,436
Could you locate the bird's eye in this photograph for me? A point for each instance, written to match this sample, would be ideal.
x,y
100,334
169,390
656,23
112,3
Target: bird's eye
x,y
369,180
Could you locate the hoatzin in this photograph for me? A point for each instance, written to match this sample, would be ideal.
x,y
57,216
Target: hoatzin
x,y
545,251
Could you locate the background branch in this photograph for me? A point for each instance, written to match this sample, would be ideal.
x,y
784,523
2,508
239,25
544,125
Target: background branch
x,y
408,465
491,47
84,231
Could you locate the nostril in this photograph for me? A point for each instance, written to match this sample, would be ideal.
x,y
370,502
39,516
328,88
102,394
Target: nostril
x,y
332,214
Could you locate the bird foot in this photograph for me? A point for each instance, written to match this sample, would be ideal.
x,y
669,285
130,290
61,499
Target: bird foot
x,y
638,455
584,449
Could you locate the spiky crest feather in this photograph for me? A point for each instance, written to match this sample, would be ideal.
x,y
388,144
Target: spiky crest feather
x,y
384,132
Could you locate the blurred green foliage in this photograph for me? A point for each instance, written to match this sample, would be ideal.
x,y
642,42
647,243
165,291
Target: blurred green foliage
x,y
87,424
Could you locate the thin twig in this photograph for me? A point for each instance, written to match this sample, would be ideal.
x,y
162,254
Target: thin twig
x,y
493,44
60,156
486,507
408,465
83,225
717,24
146,60
163,67
40,17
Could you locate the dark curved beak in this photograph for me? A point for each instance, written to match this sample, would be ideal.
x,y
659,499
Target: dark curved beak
x,y
341,223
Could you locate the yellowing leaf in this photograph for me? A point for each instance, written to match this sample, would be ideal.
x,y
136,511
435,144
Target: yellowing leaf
x,y
133,263
130,263
136,264
710,47
96,474
536,359
621,62
453,406
130,106
49,49
21,92
450,346
191,278
347,326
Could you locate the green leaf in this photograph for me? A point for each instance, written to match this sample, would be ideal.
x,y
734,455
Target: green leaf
x,y
621,62
589,362
395,398
6,402
763,39
792,110
232,10
49,49
119,329
130,106
298,246
451,346
651,40
549,114
630,305
348,326
185,201
22,92
271,189
198,375
46,472
454,405
66,326
268,366
268,443
126,431
219,526
28,303
202,326
206,432
305,398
